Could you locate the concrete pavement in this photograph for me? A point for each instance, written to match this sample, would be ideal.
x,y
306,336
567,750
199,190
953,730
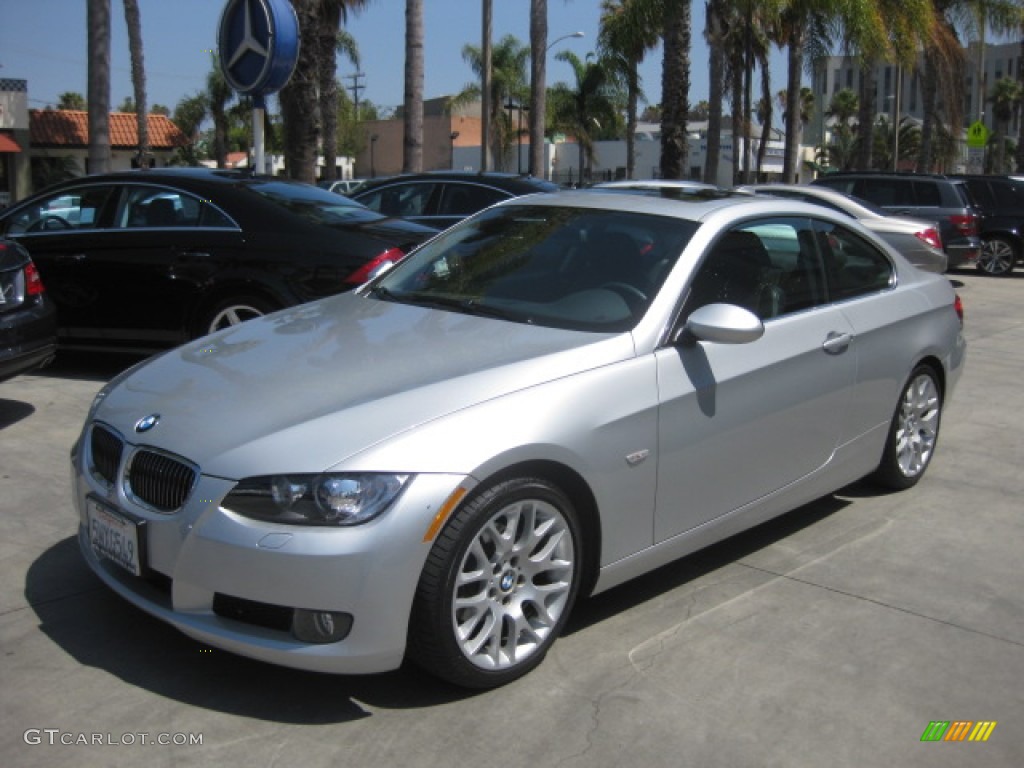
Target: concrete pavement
x,y
830,637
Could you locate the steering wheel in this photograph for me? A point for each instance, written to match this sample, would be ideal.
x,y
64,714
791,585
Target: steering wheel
x,y
632,295
49,223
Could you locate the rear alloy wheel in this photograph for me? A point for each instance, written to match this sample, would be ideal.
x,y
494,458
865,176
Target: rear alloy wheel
x,y
233,311
913,433
498,585
997,257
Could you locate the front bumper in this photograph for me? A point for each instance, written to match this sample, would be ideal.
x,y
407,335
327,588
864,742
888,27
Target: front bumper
x,y
203,556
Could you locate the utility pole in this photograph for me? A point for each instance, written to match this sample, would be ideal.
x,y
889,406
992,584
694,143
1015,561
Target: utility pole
x,y
355,88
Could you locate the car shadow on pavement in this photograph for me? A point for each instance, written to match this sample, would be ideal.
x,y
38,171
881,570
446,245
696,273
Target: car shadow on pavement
x,y
687,569
83,365
13,411
99,629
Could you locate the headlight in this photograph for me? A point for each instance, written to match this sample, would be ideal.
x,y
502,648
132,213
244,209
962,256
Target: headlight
x,y
327,499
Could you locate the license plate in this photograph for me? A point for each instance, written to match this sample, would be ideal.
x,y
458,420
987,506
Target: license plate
x,y
113,536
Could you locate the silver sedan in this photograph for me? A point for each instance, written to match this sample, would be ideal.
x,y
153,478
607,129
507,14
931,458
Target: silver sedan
x,y
557,395
917,239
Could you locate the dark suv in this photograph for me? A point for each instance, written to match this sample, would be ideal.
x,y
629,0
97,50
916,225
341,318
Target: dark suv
x,y
1000,203
942,199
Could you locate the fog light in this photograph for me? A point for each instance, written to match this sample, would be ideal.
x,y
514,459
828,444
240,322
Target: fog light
x,y
321,626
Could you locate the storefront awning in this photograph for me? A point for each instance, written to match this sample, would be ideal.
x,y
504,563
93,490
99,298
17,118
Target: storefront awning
x,y
7,144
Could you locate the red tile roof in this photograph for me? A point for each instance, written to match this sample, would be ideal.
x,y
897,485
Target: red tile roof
x,y
70,128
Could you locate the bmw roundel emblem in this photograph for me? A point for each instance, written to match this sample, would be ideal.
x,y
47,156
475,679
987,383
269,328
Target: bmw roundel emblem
x,y
147,423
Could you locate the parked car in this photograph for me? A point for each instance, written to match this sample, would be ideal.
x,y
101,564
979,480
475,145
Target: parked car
x,y
917,239
149,259
28,321
933,197
442,198
342,186
1000,203
557,395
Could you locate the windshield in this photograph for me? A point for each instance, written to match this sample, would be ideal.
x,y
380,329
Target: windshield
x,y
577,268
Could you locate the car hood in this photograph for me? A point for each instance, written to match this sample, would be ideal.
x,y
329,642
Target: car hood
x,y
303,389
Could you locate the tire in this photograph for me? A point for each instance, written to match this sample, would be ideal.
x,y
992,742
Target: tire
x,y
998,255
914,432
232,311
498,585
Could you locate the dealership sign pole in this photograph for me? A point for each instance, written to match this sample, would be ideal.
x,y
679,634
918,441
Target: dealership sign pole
x,y
258,47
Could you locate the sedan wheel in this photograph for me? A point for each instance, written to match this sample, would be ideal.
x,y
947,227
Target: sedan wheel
x,y
232,312
997,257
913,433
498,585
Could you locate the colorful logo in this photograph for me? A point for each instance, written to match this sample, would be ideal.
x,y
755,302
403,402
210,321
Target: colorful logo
x,y
959,730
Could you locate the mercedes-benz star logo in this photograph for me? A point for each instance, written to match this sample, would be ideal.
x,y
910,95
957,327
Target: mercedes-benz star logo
x,y
248,42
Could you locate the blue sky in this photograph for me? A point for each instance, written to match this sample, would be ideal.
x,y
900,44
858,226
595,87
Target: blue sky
x,y
44,42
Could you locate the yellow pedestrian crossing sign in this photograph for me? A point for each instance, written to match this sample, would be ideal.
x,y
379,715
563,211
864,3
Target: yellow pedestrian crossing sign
x,y
977,135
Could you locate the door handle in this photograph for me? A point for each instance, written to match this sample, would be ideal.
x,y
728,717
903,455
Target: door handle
x,y
836,343
75,257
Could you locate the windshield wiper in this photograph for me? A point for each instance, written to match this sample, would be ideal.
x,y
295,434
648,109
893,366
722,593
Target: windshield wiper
x,y
466,306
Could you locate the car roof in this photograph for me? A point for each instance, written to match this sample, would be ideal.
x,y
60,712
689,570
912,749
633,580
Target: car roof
x,y
508,181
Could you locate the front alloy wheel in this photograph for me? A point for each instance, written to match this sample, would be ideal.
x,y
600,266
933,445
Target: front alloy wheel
x,y
498,585
997,257
913,433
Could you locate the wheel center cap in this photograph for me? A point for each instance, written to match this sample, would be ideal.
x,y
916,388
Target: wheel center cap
x,y
508,580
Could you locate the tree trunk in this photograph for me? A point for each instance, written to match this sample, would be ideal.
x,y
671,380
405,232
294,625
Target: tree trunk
x,y
327,70
300,111
675,88
98,33
794,124
716,89
866,116
133,20
538,87
412,156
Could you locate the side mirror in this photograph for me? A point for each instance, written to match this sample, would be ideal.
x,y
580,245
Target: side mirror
x,y
723,324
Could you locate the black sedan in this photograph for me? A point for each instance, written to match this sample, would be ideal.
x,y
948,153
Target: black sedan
x,y
28,322
443,198
144,260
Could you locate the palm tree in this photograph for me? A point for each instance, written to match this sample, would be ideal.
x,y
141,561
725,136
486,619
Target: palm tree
x,y
714,34
675,88
629,28
218,94
98,32
189,114
845,105
538,84
133,19
71,100
412,155
300,108
508,83
330,41
588,107
1005,97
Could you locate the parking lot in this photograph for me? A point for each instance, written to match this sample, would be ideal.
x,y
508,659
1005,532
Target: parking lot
x,y
832,636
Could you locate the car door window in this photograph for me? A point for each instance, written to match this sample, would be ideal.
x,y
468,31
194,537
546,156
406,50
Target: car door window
x,y
160,207
770,267
66,210
400,199
466,199
854,266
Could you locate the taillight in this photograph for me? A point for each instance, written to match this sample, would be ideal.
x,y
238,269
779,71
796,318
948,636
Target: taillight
x,y
33,282
966,224
958,306
375,266
930,236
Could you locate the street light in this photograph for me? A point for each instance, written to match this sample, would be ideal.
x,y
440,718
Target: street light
x,y
452,137
563,37
373,169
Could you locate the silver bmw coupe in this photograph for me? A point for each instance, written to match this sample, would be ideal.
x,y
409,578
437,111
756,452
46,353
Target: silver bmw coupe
x,y
561,393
